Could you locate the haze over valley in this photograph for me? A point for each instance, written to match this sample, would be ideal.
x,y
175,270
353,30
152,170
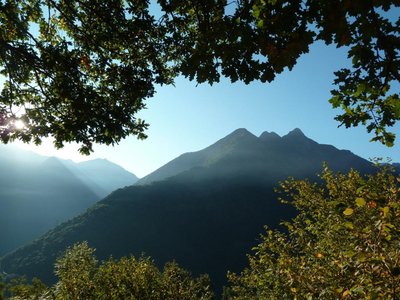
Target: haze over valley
x,y
204,209
37,192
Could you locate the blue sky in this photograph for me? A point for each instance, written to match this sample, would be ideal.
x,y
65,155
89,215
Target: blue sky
x,y
187,118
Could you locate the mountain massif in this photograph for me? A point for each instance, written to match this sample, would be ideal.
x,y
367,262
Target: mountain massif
x,y
37,193
204,209
269,156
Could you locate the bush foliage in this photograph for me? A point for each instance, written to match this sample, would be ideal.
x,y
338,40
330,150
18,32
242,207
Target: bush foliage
x,y
82,277
343,244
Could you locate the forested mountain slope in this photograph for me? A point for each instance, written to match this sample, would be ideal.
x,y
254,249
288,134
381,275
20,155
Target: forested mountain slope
x,y
37,193
206,217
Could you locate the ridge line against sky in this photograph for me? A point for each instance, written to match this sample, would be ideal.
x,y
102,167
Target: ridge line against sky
x,y
188,118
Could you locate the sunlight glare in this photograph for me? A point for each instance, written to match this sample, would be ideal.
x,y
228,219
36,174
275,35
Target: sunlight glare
x,y
19,124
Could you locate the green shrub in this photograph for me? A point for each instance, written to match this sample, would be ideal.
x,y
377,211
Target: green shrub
x,y
343,244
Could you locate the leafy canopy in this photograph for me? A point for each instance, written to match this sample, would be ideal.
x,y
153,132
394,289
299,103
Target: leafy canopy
x,y
78,70
81,70
82,277
344,243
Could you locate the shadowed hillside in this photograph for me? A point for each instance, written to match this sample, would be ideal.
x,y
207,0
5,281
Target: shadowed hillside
x,y
293,154
204,209
37,193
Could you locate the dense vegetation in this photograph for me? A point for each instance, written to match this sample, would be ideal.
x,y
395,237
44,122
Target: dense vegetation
x,y
84,72
343,244
81,70
207,218
80,277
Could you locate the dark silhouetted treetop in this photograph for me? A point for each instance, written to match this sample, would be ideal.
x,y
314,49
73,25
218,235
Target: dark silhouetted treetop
x,y
81,70
78,70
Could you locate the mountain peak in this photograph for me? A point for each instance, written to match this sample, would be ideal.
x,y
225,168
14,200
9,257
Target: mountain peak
x,y
296,135
238,141
241,132
269,136
296,132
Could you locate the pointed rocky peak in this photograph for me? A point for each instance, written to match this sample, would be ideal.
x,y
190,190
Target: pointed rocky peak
x,y
297,137
296,133
269,136
240,140
237,138
240,132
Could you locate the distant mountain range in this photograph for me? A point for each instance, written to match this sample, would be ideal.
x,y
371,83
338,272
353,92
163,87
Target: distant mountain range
x,y
268,155
204,209
37,193
101,175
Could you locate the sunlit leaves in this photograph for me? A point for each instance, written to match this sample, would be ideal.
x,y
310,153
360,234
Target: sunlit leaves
x,y
348,211
81,277
360,202
344,243
75,270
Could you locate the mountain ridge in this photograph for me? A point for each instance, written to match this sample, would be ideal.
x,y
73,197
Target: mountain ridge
x,y
241,140
91,172
38,193
207,216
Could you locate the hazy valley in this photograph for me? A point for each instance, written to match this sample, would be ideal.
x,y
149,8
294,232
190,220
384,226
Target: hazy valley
x,y
204,209
37,193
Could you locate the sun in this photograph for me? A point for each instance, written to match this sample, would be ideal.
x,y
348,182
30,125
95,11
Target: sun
x,y
19,124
